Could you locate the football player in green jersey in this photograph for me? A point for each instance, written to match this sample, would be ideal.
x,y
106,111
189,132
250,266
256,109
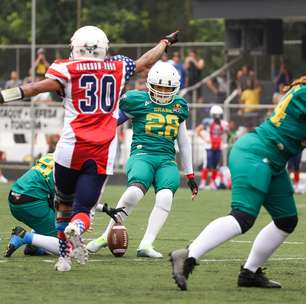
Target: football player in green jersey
x,y
158,118
31,202
258,167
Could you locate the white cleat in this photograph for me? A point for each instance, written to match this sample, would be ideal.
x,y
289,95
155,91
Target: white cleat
x,y
63,264
97,244
149,252
79,251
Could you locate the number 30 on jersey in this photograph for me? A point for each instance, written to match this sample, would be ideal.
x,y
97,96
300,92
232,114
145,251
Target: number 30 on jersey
x,y
100,93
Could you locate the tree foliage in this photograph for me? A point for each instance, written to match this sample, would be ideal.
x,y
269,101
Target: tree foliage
x,y
123,21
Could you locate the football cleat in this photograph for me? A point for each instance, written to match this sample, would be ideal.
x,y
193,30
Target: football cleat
x,y
97,244
148,252
16,241
79,251
63,264
248,278
182,266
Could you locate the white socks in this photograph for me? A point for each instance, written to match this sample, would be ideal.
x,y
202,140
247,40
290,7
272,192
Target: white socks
x,y
129,200
214,234
49,243
158,217
266,242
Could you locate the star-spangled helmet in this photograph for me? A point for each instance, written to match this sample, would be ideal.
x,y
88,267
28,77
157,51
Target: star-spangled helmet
x,y
163,74
216,111
88,42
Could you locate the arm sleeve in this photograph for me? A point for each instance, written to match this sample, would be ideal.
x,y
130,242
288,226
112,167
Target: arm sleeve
x,y
185,148
122,118
130,65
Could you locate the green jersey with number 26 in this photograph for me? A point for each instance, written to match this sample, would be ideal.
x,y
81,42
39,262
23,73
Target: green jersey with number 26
x,y
285,129
155,127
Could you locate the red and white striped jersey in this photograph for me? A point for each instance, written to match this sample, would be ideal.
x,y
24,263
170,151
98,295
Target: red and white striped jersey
x,y
92,89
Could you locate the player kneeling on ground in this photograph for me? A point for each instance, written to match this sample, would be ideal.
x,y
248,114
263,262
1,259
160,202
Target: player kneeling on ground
x,y
31,202
259,177
158,118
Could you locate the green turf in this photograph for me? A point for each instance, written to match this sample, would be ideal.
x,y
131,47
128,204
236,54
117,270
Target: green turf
x,y
106,279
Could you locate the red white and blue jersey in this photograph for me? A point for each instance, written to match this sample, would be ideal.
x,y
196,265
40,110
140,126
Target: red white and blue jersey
x,y
216,130
92,89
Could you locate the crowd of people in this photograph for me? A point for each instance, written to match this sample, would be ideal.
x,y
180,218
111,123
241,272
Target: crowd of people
x,y
191,71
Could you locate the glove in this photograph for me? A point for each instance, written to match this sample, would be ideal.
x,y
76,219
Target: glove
x,y
170,39
193,186
113,211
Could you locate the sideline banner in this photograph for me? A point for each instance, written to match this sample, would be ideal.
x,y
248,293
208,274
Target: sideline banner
x,y
16,119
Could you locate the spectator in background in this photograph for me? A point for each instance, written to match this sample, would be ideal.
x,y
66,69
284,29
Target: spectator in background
x,y
218,86
180,68
41,64
165,58
14,81
194,66
283,77
250,93
28,79
250,98
246,79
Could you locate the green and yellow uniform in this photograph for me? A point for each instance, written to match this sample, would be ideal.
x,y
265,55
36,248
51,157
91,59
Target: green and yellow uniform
x,y
155,128
31,196
258,160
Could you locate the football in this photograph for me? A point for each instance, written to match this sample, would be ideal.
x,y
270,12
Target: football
x,y
117,240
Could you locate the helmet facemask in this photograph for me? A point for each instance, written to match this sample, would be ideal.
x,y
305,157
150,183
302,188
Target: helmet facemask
x,y
159,96
163,83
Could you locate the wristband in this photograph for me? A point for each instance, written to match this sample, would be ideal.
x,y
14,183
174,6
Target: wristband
x,y
13,94
190,176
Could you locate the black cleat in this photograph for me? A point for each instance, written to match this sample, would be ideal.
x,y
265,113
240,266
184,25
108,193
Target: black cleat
x,y
248,278
16,240
182,266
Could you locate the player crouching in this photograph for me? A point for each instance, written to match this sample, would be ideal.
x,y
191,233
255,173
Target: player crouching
x,y
158,118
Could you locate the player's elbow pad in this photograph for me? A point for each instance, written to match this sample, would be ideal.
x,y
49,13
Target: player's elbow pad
x,y
9,95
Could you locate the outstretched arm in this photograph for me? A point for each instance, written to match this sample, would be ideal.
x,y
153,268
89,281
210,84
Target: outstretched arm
x,y
150,57
28,90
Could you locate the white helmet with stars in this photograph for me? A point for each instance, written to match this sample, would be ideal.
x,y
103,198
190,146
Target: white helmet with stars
x,y
216,111
89,42
163,75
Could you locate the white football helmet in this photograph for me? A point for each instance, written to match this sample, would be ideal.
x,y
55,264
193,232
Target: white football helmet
x,y
88,42
216,111
163,74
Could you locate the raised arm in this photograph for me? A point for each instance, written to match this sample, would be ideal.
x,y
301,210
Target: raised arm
x,y
147,60
28,90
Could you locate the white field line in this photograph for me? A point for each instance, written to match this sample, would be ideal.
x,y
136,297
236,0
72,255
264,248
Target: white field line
x,y
250,242
139,260
202,260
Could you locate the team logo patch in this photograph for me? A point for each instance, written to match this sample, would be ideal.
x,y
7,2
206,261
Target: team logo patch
x,y
177,108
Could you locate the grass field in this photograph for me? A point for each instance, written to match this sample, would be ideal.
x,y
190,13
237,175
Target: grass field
x,y
106,279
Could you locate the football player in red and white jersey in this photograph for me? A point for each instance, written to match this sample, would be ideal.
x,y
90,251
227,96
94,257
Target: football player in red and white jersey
x,y
91,85
215,127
